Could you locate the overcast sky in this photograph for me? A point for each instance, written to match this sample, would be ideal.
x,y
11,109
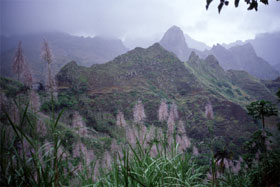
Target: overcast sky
x,y
139,20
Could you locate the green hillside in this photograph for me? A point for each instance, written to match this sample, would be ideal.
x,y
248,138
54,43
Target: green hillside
x,y
154,74
169,113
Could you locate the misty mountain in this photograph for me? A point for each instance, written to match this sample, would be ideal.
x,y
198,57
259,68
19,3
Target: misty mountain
x,y
277,67
266,45
240,57
244,58
229,45
153,74
254,65
65,47
174,41
196,44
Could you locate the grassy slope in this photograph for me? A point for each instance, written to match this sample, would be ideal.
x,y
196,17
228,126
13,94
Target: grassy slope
x,y
153,74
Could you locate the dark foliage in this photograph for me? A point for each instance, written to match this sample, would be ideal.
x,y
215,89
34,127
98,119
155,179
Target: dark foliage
x,y
261,109
253,4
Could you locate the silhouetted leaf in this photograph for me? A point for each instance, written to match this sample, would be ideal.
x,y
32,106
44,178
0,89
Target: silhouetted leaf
x,y
264,2
236,3
220,7
226,3
253,5
208,3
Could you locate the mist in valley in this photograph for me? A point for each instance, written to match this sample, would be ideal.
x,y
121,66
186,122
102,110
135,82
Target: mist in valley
x,y
139,93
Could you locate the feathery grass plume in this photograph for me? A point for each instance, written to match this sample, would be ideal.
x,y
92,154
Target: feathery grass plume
x,y
209,114
130,135
236,168
79,125
21,68
27,76
79,149
34,99
163,111
183,143
139,112
151,133
116,149
46,52
173,116
186,142
141,134
181,137
153,136
89,157
19,62
14,113
120,120
47,56
170,124
107,160
174,110
195,151
180,128
41,128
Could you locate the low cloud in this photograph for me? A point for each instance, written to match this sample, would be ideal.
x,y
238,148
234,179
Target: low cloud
x,y
138,19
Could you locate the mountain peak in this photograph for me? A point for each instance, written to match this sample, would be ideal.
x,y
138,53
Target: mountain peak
x,y
174,41
212,61
218,47
155,46
193,57
173,35
246,48
175,28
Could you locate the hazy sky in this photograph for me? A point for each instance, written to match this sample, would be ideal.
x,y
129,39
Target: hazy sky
x,y
139,20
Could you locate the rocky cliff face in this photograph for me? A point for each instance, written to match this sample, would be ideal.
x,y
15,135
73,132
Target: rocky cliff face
x,y
174,41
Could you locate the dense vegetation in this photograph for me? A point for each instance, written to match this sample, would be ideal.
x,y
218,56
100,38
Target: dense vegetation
x,y
143,119
28,161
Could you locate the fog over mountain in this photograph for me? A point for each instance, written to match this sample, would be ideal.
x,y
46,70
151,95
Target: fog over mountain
x,y
266,45
139,19
195,44
139,93
238,57
65,47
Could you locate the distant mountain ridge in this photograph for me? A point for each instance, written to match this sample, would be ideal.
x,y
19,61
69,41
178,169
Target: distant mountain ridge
x,y
155,74
244,57
239,57
266,45
192,43
65,47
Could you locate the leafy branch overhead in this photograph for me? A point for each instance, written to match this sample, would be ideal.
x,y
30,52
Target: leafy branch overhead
x,y
253,4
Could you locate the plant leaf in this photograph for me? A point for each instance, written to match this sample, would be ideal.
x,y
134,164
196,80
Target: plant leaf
x,y
208,2
264,2
236,3
220,7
